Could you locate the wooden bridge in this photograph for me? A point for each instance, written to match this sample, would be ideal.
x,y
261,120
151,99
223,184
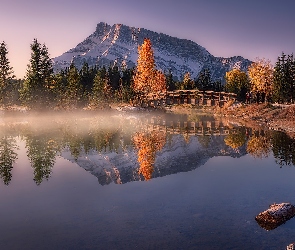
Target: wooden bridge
x,y
194,97
200,128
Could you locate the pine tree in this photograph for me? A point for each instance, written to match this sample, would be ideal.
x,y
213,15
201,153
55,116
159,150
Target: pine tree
x,y
204,81
292,78
97,95
147,80
59,88
46,67
6,75
114,76
86,76
73,91
125,92
217,86
279,86
170,83
101,91
36,90
126,76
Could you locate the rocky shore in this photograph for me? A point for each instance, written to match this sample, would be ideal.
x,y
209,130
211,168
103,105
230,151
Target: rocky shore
x,y
274,116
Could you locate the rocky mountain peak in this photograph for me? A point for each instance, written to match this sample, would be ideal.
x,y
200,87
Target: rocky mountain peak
x,y
118,43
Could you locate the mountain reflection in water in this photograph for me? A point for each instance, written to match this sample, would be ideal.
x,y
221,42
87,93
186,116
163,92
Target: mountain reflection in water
x,y
124,148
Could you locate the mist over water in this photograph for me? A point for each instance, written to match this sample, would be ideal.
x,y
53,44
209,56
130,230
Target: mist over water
x,y
152,179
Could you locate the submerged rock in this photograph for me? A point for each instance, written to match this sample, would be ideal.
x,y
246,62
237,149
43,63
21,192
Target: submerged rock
x,y
276,215
291,247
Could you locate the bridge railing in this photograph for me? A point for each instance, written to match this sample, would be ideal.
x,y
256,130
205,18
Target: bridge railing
x,y
195,97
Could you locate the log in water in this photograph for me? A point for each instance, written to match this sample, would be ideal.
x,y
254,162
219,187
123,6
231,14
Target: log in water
x,y
276,215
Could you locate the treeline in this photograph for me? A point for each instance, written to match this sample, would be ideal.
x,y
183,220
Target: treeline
x,y
92,87
69,88
202,82
95,87
263,82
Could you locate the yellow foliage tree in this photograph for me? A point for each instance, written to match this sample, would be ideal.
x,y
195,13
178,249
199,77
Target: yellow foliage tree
x,y
261,77
147,79
237,82
148,144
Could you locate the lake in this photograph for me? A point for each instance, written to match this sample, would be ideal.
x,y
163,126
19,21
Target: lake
x,y
141,180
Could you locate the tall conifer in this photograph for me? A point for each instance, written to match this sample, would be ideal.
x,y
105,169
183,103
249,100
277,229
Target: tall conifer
x,y
74,87
6,74
37,86
284,79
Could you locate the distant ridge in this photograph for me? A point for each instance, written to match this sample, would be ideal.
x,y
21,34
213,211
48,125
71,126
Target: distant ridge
x,y
118,43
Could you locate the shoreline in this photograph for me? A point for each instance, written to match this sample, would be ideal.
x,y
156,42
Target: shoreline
x,y
272,116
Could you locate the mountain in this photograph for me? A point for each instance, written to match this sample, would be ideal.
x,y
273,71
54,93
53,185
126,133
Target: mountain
x,y
119,43
177,156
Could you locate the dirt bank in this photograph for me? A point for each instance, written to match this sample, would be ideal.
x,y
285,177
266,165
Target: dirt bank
x,y
277,117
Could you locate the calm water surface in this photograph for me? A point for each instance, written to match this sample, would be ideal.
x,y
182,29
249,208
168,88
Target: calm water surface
x,y
141,181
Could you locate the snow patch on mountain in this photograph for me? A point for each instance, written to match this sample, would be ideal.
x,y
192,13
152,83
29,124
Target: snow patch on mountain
x,y
177,156
119,43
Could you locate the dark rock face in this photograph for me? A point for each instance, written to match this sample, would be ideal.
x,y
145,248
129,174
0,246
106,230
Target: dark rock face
x,y
119,43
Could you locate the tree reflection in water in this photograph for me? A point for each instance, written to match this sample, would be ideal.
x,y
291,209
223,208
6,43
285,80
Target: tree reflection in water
x,y
259,144
237,139
41,153
8,156
148,144
97,136
283,148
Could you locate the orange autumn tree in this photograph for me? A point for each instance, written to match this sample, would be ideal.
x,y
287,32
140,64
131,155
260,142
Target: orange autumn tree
x,y
148,144
147,79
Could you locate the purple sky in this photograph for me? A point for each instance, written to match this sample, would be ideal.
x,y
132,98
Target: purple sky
x,y
250,28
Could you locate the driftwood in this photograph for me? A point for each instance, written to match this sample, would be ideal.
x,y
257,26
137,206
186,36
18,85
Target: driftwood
x,y
276,215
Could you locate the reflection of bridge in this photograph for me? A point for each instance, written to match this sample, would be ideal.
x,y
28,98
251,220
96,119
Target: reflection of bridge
x,y
214,127
194,97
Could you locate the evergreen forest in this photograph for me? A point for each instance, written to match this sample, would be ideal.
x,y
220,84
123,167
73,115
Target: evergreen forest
x,y
96,87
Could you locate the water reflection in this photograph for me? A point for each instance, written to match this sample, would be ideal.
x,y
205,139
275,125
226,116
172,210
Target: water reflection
x,y
41,152
236,138
283,148
126,148
259,146
8,156
148,144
